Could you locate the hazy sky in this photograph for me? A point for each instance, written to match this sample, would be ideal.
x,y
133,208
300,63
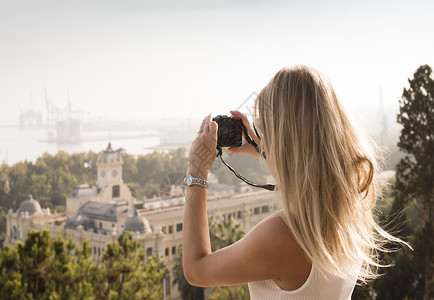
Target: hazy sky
x,y
135,59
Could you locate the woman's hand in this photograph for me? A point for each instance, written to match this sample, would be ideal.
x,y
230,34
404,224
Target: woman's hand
x,y
203,149
246,147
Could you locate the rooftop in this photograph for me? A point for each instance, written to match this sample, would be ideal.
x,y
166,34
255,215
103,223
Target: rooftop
x,y
110,155
217,203
83,191
102,211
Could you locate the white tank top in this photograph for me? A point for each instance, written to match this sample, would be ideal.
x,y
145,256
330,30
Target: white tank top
x,y
315,287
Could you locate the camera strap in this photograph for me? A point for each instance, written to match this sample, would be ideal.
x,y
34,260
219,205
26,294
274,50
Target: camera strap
x,y
252,142
269,187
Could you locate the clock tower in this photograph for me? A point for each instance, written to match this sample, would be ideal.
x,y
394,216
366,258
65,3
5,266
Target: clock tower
x,y
109,168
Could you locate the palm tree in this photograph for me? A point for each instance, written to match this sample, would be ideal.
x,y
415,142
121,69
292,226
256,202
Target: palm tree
x,y
224,233
238,292
188,291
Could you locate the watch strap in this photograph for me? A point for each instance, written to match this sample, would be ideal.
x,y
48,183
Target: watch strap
x,y
196,181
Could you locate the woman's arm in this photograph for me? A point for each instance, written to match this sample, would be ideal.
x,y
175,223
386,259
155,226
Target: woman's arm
x,y
195,239
268,251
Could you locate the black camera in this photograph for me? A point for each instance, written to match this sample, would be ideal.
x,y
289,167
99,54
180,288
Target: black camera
x,y
230,131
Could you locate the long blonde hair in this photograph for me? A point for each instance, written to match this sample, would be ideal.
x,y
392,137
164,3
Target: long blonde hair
x,y
324,174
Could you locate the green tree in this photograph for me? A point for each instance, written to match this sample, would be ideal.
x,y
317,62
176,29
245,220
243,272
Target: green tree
x,y
19,184
129,168
415,172
400,280
239,292
72,271
397,281
153,190
43,268
36,258
188,291
129,275
11,283
222,234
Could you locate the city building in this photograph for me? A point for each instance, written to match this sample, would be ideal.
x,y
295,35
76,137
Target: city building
x,y
102,213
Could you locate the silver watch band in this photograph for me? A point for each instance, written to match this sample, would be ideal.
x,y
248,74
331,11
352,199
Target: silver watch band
x,y
189,180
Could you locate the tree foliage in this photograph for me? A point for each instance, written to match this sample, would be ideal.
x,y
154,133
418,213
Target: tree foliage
x,y
238,292
415,176
188,291
224,233
128,275
415,172
43,268
411,276
396,281
52,177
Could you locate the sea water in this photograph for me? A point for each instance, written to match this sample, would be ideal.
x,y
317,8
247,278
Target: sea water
x,y
19,144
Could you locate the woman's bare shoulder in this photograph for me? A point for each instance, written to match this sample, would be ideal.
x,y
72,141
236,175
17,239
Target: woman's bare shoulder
x,y
289,259
276,232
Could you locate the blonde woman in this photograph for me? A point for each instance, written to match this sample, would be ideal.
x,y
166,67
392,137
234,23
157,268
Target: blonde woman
x,y
324,238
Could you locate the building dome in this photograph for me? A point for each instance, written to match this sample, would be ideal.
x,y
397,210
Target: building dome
x,y
30,205
74,222
110,155
136,223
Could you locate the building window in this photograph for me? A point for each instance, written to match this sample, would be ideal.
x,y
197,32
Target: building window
x,y
166,251
164,229
149,252
100,225
256,211
116,191
265,209
239,214
94,250
178,227
174,250
99,251
167,285
170,229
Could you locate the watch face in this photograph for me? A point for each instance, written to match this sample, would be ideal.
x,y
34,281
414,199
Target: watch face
x,y
188,180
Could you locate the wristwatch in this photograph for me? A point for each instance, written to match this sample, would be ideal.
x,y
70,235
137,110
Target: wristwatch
x,y
190,180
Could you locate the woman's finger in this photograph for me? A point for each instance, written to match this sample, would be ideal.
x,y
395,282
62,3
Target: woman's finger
x,y
246,123
245,148
234,150
208,120
213,127
239,115
202,125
